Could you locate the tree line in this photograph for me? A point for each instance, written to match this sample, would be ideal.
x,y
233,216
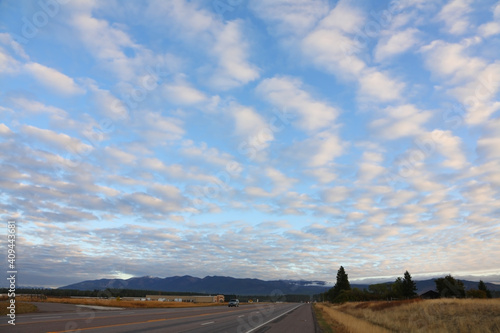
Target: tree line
x,y
402,288
117,292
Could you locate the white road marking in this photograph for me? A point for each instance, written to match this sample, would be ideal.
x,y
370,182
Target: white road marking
x,y
253,329
210,322
97,307
52,317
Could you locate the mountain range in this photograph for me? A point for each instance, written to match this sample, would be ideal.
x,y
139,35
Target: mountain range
x,y
229,285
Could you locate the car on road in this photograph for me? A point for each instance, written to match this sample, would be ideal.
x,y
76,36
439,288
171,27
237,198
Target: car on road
x,y
233,302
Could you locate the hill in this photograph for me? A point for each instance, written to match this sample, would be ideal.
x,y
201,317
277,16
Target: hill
x,y
207,285
229,285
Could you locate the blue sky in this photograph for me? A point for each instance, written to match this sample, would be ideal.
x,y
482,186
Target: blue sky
x,y
263,139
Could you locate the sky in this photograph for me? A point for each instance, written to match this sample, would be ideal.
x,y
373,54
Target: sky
x,y
253,139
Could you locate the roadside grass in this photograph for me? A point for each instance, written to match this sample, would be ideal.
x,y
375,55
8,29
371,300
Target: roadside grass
x,y
440,315
20,308
349,323
127,304
326,322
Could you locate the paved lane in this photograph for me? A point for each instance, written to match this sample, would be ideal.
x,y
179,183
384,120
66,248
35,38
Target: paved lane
x,y
298,321
245,319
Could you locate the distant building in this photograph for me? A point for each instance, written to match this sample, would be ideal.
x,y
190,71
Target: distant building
x,y
431,294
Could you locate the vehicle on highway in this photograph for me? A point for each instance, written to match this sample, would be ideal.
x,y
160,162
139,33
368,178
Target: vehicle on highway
x,y
233,302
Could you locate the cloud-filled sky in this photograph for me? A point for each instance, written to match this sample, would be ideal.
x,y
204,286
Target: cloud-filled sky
x,y
265,139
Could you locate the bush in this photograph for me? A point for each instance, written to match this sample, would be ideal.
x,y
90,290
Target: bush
x,y
474,293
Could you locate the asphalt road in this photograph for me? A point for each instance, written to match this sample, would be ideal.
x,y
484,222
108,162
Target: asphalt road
x,y
254,318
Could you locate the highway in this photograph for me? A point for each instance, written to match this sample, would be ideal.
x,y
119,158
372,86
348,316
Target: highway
x,y
252,318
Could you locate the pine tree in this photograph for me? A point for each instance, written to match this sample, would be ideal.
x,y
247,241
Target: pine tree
x,y
397,288
482,286
409,287
342,284
450,287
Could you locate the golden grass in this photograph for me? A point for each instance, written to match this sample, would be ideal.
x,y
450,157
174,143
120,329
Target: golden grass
x,y
351,323
128,304
441,315
20,308
326,322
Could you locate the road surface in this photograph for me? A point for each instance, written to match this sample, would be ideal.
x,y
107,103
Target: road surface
x,y
254,318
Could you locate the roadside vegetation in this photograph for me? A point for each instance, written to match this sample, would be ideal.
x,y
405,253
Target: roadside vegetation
x,y
326,322
21,307
127,303
395,307
402,288
438,315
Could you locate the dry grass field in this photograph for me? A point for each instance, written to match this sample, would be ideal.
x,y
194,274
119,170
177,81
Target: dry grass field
x,y
442,315
20,308
128,304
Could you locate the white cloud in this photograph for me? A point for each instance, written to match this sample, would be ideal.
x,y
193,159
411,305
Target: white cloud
x,y
489,29
53,79
8,64
336,194
337,45
379,86
105,42
478,95
369,171
34,107
223,41
290,17
399,198
401,121
167,192
451,148
184,94
231,51
145,202
287,94
158,129
280,184
343,17
333,50
488,144
496,10
454,14
8,40
109,105
57,140
450,60
251,127
479,193
336,41
210,155
118,156
159,157
5,130
396,43
322,174
317,150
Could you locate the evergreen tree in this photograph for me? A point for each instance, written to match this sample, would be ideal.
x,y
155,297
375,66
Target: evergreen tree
x,y
409,287
342,284
483,287
397,288
449,287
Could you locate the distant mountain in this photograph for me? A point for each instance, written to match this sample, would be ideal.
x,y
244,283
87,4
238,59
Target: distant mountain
x,y
207,285
229,285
